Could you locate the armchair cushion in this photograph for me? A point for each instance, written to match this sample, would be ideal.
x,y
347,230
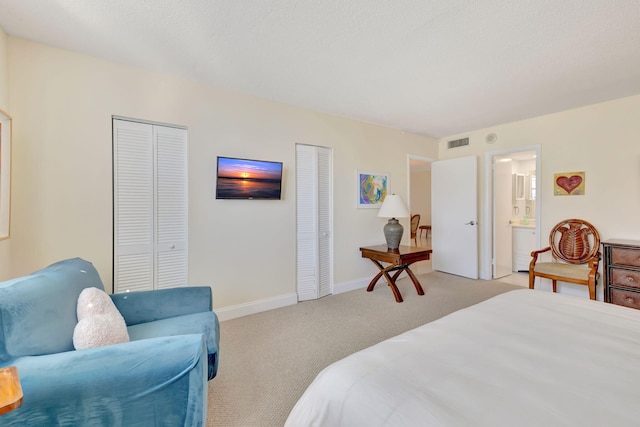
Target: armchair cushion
x,y
570,271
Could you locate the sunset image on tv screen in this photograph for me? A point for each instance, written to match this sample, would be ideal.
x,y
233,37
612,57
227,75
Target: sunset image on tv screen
x,y
248,179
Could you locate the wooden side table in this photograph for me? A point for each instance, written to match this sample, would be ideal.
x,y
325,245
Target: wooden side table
x,y
399,260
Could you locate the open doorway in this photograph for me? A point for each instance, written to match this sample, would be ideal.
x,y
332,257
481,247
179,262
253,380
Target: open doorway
x,y
514,212
419,202
420,198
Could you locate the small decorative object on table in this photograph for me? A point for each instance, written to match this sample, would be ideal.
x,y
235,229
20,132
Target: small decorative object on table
x,y
10,389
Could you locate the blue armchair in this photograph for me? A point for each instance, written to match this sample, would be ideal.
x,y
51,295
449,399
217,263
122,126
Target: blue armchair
x,y
158,378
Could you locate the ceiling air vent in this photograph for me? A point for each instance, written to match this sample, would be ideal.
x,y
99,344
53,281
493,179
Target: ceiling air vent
x,y
458,143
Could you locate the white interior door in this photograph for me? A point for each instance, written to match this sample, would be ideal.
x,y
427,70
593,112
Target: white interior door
x,y
454,216
133,204
502,238
150,206
325,223
172,217
314,222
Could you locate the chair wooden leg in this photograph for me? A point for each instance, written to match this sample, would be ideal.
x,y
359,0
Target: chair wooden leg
x,y
555,287
592,290
532,279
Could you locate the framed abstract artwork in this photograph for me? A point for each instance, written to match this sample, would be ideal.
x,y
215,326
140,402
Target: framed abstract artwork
x,y
372,189
5,174
568,184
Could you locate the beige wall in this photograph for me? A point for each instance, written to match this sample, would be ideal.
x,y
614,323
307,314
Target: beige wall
x,y
62,103
5,256
4,72
601,140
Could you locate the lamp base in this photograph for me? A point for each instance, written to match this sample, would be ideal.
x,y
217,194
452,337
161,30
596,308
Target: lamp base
x,y
393,233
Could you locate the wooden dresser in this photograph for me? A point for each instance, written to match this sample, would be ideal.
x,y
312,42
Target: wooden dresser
x,y
622,272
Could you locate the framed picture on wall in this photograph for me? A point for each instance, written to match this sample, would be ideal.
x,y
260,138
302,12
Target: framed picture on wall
x,y
568,184
372,189
5,174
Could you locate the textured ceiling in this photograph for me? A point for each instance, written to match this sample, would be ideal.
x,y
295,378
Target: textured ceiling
x,y
434,67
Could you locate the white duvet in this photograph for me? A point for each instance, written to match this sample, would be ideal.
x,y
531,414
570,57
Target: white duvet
x,y
523,358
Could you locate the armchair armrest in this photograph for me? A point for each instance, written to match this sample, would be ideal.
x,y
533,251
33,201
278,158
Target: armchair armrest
x,y
534,256
593,262
148,306
593,266
158,381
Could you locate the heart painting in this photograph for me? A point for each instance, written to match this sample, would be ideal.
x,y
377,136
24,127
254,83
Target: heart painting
x,y
571,183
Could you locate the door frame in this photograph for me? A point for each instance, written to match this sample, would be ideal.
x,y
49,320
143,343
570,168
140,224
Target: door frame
x,y
486,254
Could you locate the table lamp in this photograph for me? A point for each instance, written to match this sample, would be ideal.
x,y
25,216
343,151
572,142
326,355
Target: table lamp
x,y
393,208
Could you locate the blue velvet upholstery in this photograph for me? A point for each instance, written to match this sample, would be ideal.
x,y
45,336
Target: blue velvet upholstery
x,y
205,323
39,310
158,378
150,314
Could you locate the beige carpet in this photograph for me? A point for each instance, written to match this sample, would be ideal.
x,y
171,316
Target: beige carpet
x,y
268,359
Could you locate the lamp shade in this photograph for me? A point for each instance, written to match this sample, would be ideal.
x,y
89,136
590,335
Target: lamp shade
x,y
393,207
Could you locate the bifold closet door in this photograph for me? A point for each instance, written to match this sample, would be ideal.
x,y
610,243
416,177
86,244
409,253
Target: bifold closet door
x,y
150,206
314,222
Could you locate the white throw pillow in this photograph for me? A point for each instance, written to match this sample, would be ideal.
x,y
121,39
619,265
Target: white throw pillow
x,y
93,301
99,321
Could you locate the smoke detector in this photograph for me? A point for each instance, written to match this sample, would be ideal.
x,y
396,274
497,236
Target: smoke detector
x,y
491,138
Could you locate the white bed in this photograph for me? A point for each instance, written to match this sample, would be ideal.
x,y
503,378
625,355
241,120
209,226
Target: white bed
x,y
523,358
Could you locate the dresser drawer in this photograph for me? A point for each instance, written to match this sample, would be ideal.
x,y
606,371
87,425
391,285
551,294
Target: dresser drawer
x,y
629,257
624,297
624,278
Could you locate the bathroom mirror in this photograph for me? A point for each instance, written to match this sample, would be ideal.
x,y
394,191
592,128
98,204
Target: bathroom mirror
x,y
518,186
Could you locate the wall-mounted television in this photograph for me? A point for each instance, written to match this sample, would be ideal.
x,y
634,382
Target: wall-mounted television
x,y
248,179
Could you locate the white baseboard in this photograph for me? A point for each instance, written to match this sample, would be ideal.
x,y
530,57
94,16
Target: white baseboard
x,y
253,307
351,285
240,310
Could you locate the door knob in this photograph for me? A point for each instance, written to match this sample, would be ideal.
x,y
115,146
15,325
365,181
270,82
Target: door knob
x,y
470,223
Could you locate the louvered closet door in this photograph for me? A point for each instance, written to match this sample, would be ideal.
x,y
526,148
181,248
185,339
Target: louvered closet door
x,y
314,251
325,226
171,207
133,206
150,206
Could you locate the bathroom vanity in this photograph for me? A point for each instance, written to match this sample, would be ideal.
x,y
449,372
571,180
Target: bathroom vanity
x,y
524,241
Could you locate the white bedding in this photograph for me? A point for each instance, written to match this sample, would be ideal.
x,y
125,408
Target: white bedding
x,y
523,358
